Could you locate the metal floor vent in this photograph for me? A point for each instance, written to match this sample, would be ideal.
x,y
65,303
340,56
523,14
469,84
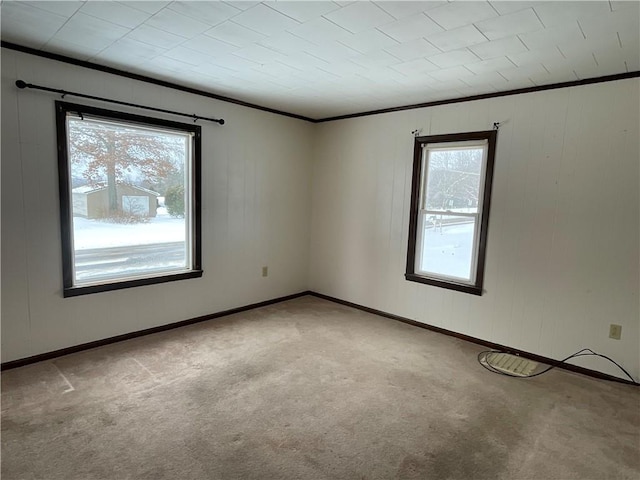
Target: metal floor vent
x,y
511,364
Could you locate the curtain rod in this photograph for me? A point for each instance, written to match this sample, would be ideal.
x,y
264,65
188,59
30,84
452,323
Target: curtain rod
x,y
22,84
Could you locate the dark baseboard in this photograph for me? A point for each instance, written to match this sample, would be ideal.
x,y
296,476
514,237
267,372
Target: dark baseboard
x,y
148,331
478,341
127,336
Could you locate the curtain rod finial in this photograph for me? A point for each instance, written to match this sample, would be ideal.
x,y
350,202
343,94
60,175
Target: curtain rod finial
x,y
21,84
221,121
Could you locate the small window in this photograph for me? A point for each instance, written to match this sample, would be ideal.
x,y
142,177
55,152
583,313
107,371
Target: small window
x,y
450,196
129,199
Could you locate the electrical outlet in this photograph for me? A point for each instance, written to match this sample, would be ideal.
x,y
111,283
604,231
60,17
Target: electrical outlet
x,y
615,331
265,271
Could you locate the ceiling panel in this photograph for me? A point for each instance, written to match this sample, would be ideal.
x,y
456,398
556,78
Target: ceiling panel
x,y
531,57
499,48
411,28
287,43
84,51
457,38
331,51
522,74
341,69
369,40
420,65
492,65
151,7
173,22
28,24
85,30
209,46
64,8
154,36
117,13
552,36
505,7
401,9
458,14
375,59
170,64
325,58
128,47
418,48
242,5
320,31
491,77
235,34
264,20
186,55
211,13
559,13
303,11
523,21
620,20
359,16
452,59
452,73
260,54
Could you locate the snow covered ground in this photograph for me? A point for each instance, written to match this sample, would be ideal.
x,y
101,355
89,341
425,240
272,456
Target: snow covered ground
x,y
88,234
448,252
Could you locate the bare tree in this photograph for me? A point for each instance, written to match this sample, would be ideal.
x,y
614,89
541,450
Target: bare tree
x,y
454,178
114,154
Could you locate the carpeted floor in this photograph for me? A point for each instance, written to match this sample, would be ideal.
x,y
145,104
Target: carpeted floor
x,y
309,389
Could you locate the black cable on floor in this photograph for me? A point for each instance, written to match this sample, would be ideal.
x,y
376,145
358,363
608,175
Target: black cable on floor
x,y
585,352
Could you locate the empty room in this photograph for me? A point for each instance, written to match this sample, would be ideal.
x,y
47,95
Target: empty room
x,y
320,240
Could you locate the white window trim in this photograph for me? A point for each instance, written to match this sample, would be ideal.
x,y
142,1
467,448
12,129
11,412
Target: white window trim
x,y
423,212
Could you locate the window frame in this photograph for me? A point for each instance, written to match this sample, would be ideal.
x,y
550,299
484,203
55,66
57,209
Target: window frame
x,y
66,206
480,237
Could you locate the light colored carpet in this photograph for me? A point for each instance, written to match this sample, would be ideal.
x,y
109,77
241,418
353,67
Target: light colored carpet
x,y
308,389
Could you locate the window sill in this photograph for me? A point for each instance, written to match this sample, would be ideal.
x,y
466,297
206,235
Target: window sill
x,y
459,287
106,287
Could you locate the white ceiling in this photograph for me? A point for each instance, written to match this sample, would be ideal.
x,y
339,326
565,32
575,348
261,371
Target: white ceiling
x,y
321,59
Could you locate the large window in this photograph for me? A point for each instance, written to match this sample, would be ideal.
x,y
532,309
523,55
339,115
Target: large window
x,y
450,210
129,199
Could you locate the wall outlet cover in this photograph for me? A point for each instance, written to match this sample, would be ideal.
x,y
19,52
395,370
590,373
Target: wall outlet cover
x,y
615,331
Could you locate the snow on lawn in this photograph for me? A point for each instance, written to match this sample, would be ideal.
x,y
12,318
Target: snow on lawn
x,y
448,251
163,228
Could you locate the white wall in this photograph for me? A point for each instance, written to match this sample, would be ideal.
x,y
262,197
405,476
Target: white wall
x,y
562,253
564,233
256,172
